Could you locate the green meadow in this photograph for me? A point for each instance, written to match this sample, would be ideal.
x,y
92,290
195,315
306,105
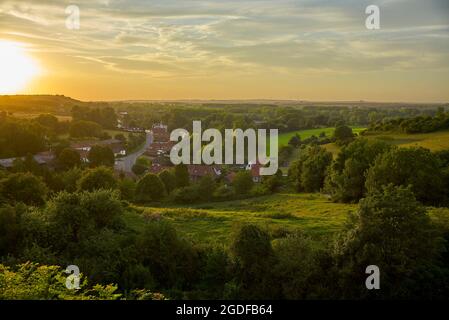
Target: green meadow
x,y
312,214
434,141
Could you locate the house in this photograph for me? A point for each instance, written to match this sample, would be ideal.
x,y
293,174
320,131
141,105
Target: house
x,y
116,145
84,147
157,149
45,158
198,171
7,163
160,133
255,171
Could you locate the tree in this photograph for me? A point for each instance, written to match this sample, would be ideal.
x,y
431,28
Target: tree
x,y
417,167
186,195
392,231
150,188
295,141
206,187
171,260
127,189
243,182
303,269
24,187
68,158
120,136
254,257
168,179
343,135
49,121
28,164
10,232
74,217
347,175
96,179
104,207
182,177
139,169
309,171
101,156
81,128
272,183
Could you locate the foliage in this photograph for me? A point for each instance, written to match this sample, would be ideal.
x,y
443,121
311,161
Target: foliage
x,y
254,255
150,188
97,178
23,187
31,281
243,182
392,231
81,129
181,176
345,181
309,171
343,135
168,179
417,167
68,158
101,156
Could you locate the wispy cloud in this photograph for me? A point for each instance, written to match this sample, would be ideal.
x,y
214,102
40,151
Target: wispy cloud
x,y
205,39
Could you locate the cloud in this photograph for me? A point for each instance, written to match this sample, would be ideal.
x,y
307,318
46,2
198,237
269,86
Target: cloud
x,y
206,39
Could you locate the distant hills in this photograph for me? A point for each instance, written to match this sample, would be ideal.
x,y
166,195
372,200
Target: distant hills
x,y
37,103
60,104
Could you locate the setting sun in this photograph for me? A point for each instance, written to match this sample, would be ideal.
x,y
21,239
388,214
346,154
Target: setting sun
x,y
17,68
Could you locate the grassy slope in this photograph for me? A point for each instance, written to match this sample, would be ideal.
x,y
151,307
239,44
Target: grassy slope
x,y
312,213
434,141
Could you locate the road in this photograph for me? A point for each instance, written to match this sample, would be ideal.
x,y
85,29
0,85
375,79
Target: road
x,y
126,163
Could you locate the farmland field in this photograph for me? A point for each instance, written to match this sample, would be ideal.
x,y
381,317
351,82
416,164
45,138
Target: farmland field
x,y
304,134
434,141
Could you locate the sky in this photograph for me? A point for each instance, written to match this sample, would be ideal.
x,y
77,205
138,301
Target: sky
x,y
318,50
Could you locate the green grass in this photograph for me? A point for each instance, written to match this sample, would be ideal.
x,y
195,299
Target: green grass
x,y
313,214
434,141
304,134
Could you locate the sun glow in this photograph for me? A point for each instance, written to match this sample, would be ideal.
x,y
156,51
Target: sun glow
x,y
17,68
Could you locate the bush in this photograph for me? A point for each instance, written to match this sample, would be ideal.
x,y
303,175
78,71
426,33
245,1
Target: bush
x,y
150,188
243,182
101,156
168,179
96,179
392,231
186,195
417,167
81,128
23,187
171,260
254,257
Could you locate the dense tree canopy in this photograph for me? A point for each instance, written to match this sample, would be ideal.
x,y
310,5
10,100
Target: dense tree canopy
x,y
346,178
150,188
417,167
101,156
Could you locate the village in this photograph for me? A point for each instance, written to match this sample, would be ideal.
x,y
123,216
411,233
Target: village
x,y
154,152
